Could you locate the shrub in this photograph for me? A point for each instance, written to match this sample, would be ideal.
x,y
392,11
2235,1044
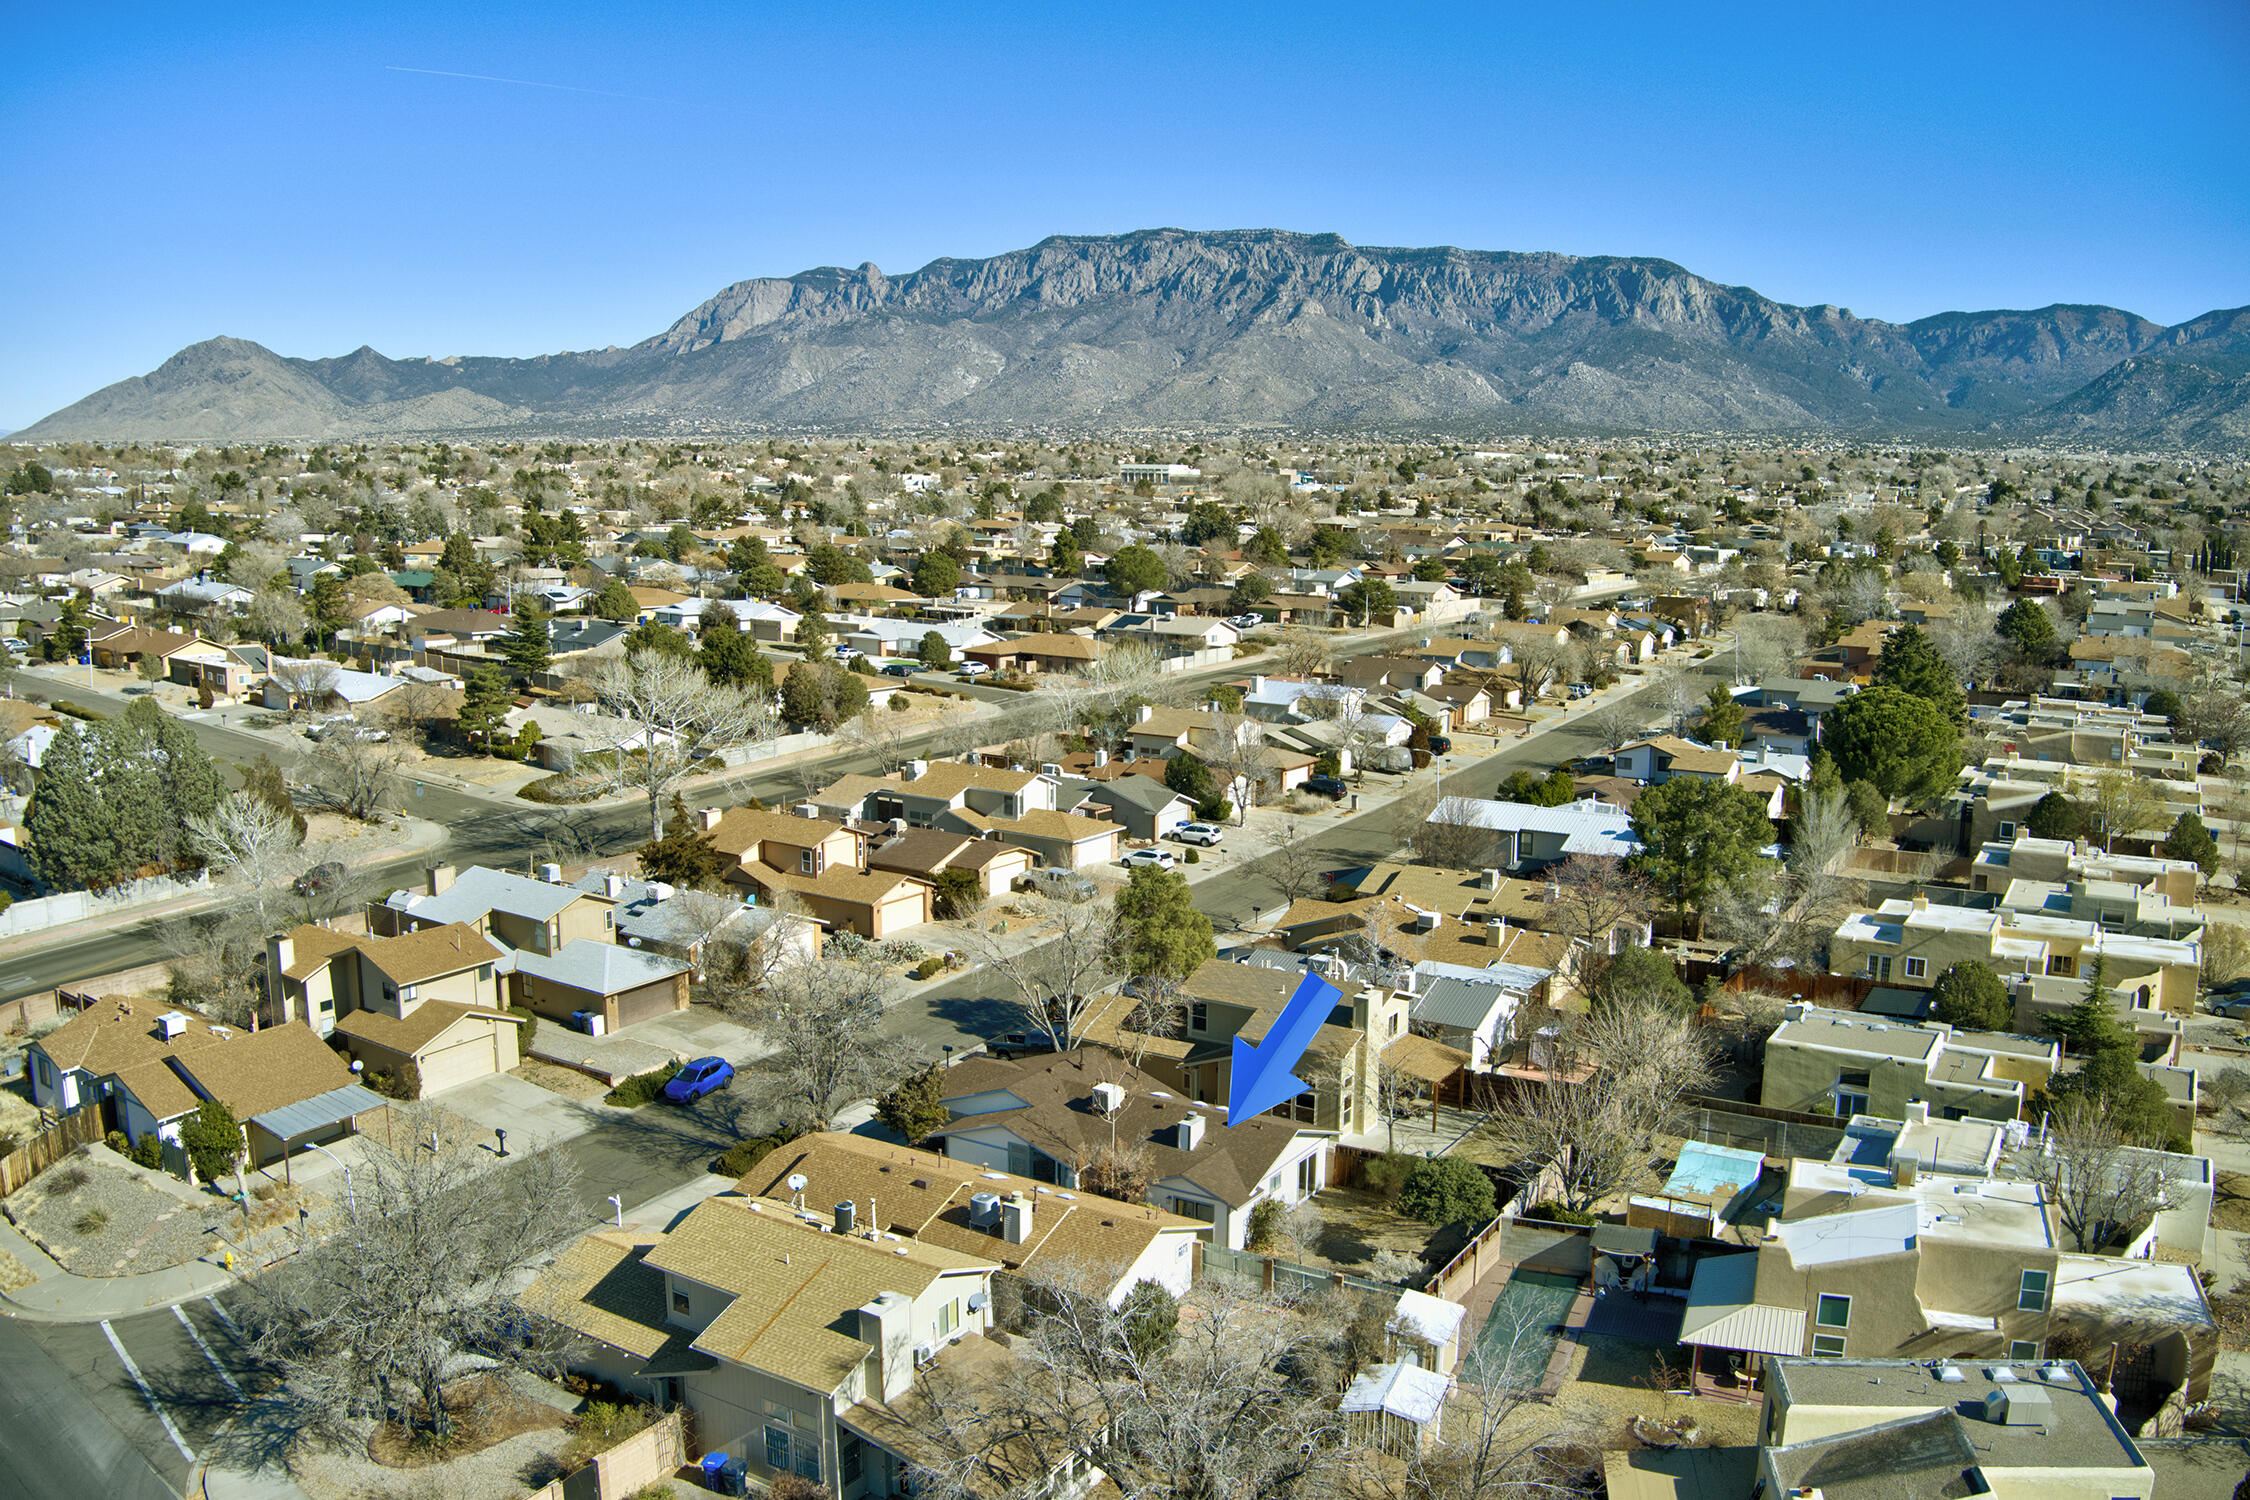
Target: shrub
x,y
402,1082
929,966
148,1152
794,1487
213,1140
897,703
917,1106
92,1221
69,1180
529,1036
1386,1174
1556,1213
1265,1226
1194,857
741,1158
905,951
1446,1190
599,1428
641,1088
116,1142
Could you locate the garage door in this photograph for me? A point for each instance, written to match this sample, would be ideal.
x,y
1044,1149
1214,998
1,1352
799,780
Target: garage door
x,y
459,1063
647,1001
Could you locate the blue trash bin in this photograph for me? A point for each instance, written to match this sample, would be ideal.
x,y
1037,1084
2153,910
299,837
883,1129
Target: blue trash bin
x,y
714,1473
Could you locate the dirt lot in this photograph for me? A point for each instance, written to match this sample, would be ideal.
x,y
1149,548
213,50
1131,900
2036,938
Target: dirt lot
x,y
568,1082
1356,1226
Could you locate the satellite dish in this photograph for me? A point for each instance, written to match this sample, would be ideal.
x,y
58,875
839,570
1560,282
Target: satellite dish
x,y
796,1182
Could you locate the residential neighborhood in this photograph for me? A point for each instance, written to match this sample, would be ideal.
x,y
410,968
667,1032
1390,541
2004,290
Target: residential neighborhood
x,y
1727,943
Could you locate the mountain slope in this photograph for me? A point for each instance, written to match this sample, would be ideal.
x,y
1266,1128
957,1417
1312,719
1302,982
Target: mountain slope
x,y
1250,328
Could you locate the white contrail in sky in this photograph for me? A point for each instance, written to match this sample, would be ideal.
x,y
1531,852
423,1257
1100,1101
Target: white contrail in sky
x,y
520,82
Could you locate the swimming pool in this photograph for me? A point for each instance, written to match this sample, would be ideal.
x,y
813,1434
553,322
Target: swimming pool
x,y
1520,1333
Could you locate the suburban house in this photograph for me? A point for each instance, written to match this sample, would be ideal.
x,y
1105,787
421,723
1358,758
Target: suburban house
x,y
1143,806
2007,1428
537,916
1162,733
933,1199
147,1068
658,919
1052,651
431,998
1524,835
589,978
1818,1060
1051,1118
789,1334
926,852
821,866
1012,806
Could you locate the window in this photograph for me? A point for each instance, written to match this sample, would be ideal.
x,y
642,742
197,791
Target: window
x,y
1878,966
1850,1079
2023,1349
777,1448
680,1302
2111,921
948,1318
1834,1311
1917,968
2063,964
2031,1292
1299,1108
46,1072
484,973
1308,1177
609,921
808,861
1195,1208
1199,1016
1394,1023
1828,1345
2007,833
848,1459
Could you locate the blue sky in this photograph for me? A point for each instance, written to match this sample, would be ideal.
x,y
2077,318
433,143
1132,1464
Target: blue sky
x,y
270,172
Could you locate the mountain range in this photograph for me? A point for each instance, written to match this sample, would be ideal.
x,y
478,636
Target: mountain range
x,y
1171,328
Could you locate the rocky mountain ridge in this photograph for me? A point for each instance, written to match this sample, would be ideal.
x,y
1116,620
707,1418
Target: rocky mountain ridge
x,y
1253,328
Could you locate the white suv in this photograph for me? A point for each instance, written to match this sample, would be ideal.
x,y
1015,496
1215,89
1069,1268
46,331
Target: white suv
x,y
1205,834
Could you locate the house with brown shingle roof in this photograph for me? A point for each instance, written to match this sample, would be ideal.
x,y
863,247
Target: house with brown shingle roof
x,y
1052,1118
426,1007
821,865
785,1328
933,1199
1019,808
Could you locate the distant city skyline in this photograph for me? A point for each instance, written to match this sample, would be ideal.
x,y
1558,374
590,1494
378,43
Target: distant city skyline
x,y
519,181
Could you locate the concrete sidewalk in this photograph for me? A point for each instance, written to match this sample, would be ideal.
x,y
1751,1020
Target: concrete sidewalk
x,y
57,1296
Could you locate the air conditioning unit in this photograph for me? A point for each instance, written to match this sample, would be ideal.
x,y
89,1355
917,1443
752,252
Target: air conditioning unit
x,y
923,1354
984,1210
1109,1098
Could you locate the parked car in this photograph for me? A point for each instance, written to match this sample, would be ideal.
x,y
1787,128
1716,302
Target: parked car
x,y
1440,744
1059,885
1161,858
326,876
18,646
1581,690
1331,787
1205,834
847,653
697,1077
974,669
901,668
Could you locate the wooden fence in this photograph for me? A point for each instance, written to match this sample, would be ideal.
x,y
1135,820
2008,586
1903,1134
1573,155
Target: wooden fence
x,y
48,1147
651,1456
1483,1253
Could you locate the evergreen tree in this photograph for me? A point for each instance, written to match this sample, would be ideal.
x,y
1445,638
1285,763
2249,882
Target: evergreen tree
x,y
328,607
1722,718
485,703
73,841
1160,934
1968,995
659,637
1912,665
685,855
917,1106
1064,558
189,785
527,647
2191,841
813,633
934,655
936,576
728,655
614,602
2055,816
263,780
2091,1025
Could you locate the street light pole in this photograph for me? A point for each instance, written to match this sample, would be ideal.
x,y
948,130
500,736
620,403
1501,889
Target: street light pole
x,y
351,1203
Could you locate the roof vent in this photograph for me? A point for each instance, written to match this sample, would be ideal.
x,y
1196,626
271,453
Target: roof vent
x,y
1950,1375
2056,1374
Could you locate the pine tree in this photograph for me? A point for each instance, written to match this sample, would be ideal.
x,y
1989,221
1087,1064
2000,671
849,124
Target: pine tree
x,y
728,655
685,855
73,844
190,786
484,705
2091,1026
527,646
615,602
328,606
263,780
917,1106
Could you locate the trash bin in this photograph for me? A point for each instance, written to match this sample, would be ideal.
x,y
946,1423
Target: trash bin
x,y
734,1479
715,1473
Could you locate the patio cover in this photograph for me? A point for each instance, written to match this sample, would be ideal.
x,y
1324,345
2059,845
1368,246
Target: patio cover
x,y
319,1112
1720,1314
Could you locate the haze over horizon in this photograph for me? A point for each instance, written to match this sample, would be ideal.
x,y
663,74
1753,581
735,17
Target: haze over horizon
x,y
314,184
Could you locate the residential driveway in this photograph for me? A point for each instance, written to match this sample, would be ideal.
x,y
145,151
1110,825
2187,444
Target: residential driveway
x,y
531,1115
698,1032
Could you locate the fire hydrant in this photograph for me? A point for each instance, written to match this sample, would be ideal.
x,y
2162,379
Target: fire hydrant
x,y
227,1260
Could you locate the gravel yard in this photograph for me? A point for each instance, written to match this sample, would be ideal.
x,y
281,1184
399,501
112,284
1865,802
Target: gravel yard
x,y
98,1216
568,1082
532,1418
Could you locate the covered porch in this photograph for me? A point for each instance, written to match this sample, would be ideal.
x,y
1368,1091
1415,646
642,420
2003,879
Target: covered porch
x,y
323,1118
1731,1333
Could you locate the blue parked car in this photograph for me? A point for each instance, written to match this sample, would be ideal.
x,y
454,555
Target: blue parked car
x,y
703,1075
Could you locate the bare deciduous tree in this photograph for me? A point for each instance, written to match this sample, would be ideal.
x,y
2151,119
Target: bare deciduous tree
x,y
1303,653
372,1321
1593,896
824,1023
357,775
255,844
2101,1183
1614,725
665,720
307,683
1055,982
1598,1134
1454,835
1294,863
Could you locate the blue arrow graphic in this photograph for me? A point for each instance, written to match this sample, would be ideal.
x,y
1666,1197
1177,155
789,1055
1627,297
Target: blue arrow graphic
x,y
1264,1074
